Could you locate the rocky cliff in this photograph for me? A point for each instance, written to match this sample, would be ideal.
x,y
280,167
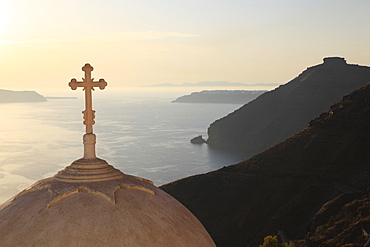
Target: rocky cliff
x,y
343,221
8,96
284,187
278,114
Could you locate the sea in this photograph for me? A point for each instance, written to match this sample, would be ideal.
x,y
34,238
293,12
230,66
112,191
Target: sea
x,y
139,131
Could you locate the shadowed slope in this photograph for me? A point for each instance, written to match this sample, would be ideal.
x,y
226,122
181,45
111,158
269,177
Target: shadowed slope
x,y
283,187
343,220
278,114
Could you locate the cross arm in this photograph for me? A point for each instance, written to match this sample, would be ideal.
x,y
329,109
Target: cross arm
x,y
101,84
74,84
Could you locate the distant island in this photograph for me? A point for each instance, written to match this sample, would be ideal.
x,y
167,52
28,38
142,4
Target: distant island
x,y
61,97
214,84
221,96
9,96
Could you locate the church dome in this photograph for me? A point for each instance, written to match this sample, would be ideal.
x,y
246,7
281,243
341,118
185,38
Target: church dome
x,y
128,211
90,203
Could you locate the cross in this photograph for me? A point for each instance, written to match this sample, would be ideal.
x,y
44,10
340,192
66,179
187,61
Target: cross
x,y
88,85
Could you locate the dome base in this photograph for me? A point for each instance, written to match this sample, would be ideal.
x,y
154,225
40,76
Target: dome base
x,y
88,170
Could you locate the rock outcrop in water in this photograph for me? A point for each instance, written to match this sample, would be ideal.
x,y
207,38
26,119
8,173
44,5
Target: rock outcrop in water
x,y
280,113
197,140
221,96
8,96
284,187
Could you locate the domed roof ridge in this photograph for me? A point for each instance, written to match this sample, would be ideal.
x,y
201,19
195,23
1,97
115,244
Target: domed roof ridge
x,y
59,190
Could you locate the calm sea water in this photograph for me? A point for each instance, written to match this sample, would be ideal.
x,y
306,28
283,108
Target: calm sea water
x,y
140,133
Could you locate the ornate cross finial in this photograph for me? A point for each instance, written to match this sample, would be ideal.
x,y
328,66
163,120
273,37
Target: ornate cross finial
x,y
88,85
89,169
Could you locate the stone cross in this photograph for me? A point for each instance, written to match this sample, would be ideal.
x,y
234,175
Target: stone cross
x,y
88,85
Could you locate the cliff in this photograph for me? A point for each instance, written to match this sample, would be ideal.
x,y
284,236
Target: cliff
x,y
8,96
221,96
278,114
284,187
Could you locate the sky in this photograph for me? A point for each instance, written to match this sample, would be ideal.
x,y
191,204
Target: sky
x,y
44,43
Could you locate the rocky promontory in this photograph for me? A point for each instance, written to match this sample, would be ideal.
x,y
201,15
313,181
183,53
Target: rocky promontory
x,y
8,96
221,96
311,186
286,110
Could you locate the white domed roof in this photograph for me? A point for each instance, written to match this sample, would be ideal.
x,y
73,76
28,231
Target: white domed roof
x,y
127,211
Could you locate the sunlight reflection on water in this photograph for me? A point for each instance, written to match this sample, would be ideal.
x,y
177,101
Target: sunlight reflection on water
x,y
146,136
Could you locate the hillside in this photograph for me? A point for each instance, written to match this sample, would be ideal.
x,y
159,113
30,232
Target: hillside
x,y
220,96
8,96
284,187
280,113
343,220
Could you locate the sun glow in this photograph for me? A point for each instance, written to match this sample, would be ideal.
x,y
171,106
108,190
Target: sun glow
x,y
5,16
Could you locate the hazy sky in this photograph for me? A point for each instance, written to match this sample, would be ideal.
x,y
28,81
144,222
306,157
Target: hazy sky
x,y
44,43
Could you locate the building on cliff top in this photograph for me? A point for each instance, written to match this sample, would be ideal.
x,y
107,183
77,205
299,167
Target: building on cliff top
x,y
335,61
90,203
